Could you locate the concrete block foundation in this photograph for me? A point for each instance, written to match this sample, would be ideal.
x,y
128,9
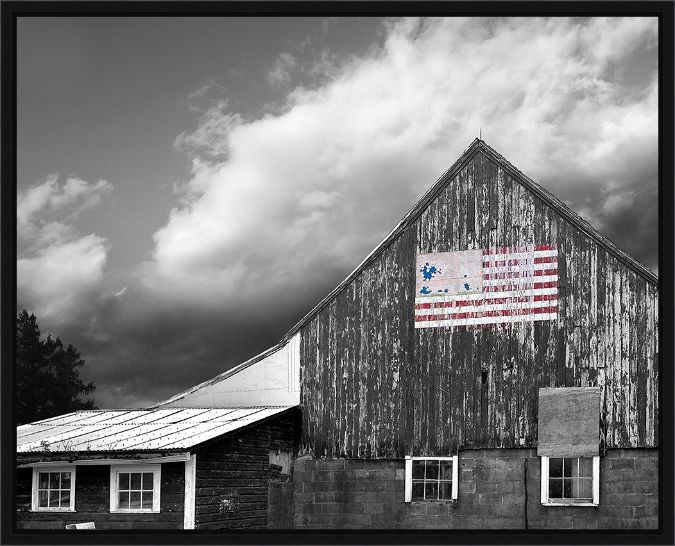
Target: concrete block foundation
x,y
497,489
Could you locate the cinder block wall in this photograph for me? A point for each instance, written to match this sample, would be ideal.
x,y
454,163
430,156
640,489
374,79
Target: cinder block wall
x,y
629,494
498,489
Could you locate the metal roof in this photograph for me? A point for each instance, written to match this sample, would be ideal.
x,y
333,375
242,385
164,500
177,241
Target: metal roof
x,y
136,429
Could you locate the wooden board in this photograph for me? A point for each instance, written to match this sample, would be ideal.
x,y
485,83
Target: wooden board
x,y
568,424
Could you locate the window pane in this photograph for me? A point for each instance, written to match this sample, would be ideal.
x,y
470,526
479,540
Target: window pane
x,y
555,468
147,481
555,488
65,480
432,479
147,500
585,488
446,470
446,491
135,498
55,481
567,488
123,501
571,467
65,498
586,467
431,491
43,482
42,498
53,498
124,480
432,470
136,481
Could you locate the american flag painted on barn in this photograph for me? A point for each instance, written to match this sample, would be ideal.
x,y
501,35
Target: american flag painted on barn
x,y
488,286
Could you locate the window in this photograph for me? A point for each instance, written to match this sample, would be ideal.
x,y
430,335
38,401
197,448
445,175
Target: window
x,y
53,489
134,488
431,479
571,481
568,434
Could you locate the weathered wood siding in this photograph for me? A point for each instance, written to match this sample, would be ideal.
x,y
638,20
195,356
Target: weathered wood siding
x,y
92,502
233,474
373,386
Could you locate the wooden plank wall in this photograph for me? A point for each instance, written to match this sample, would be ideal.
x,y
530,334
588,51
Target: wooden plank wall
x,y
373,386
92,502
233,475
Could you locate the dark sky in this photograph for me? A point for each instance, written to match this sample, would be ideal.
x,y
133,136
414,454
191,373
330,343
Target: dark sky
x,y
188,188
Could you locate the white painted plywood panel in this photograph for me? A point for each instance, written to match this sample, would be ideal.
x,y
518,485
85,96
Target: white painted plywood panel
x,y
273,380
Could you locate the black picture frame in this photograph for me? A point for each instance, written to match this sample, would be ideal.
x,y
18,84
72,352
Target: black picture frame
x,y
11,10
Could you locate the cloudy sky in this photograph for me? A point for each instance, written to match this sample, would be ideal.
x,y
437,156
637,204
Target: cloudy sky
x,y
188,188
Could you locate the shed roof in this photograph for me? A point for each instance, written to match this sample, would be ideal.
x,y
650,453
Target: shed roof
x,y
167,429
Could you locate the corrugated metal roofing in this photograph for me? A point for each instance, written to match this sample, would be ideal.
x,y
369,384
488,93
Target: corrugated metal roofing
x,y
136,430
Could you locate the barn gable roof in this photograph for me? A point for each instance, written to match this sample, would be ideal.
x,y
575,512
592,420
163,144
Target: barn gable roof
x,y
477,147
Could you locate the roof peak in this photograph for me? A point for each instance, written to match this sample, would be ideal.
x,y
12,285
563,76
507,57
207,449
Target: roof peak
x,y
477,146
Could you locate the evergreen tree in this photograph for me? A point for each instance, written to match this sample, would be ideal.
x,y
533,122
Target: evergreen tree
x,y
47,375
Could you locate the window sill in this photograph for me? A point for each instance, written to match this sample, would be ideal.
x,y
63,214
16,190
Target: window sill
x,y
134,511
53,510
587,504
444,501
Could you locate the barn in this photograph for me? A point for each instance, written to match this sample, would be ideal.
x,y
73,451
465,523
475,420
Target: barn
x,y
492,364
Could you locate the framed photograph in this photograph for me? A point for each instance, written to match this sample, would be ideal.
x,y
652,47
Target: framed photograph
x,y
296,272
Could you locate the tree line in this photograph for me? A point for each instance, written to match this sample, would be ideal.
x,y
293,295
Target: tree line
x,y
47,378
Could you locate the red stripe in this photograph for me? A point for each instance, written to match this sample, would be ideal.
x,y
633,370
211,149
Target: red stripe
x,y
519,274
483,314
487,301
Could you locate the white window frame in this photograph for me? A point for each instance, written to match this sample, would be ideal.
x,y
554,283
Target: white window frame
x,y
544,484
34,496
408,476
115,470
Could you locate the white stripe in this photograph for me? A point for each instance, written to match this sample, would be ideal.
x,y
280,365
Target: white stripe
x,y
482,308
485,320
519,255
483,295
519,268
520,280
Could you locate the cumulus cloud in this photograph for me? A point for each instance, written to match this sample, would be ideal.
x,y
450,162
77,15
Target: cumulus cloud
x,y
48,207
280,73
208,95
60,278
58,270
297,196
212,137
278,209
